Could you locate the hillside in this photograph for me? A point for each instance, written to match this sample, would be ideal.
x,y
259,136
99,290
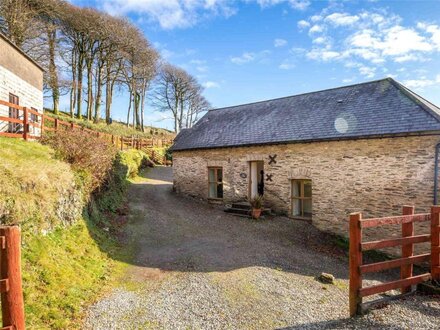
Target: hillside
x,y
116,128
69,216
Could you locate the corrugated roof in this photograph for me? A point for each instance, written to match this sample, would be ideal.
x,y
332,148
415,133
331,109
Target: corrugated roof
x,y
376,108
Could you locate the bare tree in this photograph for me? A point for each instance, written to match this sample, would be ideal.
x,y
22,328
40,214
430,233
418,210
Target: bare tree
x,y
179,93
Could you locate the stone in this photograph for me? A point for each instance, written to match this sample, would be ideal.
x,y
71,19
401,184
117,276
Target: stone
x,y
326,278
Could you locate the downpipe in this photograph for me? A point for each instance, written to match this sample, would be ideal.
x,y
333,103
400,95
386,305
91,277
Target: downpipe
x,y
437,151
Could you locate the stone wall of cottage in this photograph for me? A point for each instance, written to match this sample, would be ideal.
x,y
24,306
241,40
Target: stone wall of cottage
x,y
373,176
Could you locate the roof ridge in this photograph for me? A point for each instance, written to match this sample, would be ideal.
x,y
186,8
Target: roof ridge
x,y
300,94
419,100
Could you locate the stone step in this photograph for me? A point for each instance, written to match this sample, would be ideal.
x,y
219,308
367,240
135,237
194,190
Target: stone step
x,y
241,205
245,212
238,211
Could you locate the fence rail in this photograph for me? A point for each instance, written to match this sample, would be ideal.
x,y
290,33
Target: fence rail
x,y
407,260
21,127
10,282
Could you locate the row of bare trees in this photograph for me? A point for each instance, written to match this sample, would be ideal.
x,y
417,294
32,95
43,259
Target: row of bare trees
x,y
87,54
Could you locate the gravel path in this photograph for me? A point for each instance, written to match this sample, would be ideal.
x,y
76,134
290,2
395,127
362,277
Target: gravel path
x,y
199,268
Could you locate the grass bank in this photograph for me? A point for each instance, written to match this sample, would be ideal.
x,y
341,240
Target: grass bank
x,y
116,127
72,249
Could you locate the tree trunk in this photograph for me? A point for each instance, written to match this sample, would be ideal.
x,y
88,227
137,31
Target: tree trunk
x,y
79,87
53,73
89,63
73,88
143,109
108,96
137,99
128,112
98,93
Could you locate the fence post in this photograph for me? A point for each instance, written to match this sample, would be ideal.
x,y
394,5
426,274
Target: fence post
x,y
25,123
435,242
408,249
72,126
113,139
122,143
42,124
355,262
56,124
12,295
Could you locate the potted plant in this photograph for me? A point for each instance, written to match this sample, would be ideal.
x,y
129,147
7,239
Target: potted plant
x,y
257,206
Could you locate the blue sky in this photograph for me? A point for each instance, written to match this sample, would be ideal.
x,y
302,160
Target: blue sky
x,y
251,50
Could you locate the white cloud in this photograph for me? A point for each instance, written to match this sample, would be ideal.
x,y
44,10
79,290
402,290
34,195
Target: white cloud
x,y
366,71
295,4
340,19
247,57
422,82
366,41
171,14
323,55
286,65
211,84
347,80
303,24
279,42
316,29
244,58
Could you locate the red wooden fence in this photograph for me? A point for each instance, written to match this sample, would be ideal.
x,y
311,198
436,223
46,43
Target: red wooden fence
x,y
407,279
10,282
32,118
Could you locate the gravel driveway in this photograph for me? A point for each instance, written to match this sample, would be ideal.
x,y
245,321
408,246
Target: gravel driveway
x,y
197,267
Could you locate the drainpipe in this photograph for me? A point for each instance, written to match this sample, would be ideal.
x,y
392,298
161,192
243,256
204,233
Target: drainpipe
x,y
437,151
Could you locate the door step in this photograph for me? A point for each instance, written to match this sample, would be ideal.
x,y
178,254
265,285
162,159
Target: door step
x,y
244,209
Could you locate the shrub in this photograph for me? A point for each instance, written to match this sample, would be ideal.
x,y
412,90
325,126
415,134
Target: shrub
x,y
88,154
134,160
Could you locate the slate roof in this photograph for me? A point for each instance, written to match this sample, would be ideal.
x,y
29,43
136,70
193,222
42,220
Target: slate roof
x,y
372,109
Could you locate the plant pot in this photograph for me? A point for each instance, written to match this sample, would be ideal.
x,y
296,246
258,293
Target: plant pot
x,y
256,213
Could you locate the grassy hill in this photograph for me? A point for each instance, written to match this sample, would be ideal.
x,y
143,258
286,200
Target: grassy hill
x,y
71,248
117,128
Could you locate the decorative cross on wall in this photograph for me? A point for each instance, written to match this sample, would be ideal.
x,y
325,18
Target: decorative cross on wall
x,y
269,177
272,159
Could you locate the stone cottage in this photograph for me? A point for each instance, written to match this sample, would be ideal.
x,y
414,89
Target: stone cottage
x,y
319,156
21,83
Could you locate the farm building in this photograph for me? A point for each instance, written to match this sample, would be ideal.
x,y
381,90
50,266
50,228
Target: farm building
x,y
21,83
317,156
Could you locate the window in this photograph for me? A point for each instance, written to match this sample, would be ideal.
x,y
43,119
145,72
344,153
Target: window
x,y
215,182
302,199
34,117
13,113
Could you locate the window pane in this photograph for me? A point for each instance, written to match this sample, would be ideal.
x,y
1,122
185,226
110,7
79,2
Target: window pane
x,y
211,174
307,208
296,207
212,190
307,188
296,188
219,175
219,191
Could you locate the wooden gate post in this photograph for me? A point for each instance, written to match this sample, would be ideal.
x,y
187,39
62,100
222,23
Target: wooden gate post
x,y
25,123
407,249
11,293
435,242
355,262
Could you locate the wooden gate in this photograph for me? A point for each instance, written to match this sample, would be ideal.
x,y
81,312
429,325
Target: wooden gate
x,y
407,241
